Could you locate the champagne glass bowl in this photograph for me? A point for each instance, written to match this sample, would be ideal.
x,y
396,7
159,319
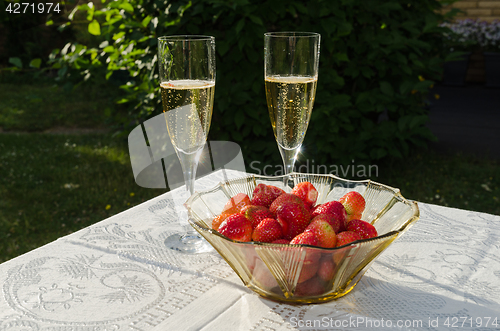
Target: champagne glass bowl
x,y
291,62
300,273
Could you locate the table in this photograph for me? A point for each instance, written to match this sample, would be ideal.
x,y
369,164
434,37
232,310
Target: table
x,y
443,274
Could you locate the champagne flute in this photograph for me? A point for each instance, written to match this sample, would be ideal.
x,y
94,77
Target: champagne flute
x,y
291,73
187,82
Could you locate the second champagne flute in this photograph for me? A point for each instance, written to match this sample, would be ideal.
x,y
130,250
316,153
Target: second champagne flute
x,y
291,73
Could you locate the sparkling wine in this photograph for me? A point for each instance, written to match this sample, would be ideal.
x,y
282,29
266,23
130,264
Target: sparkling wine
x,y
290,100
188,105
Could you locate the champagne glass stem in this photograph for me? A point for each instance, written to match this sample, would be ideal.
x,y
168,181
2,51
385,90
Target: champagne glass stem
x,y
190,241
189,164
289,156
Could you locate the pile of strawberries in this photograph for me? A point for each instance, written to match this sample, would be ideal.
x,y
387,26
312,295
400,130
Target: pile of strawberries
x,y
274,216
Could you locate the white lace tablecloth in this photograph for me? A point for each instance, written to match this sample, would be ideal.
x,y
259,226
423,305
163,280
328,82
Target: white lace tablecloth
x,y
443,274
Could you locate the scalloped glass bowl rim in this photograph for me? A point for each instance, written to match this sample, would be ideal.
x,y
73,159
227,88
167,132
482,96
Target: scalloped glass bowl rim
x,y
396,191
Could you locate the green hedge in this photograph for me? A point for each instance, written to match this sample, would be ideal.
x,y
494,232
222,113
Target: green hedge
x,y
378,60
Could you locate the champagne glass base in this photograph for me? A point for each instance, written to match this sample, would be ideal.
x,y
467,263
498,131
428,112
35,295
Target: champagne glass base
x,y
188,243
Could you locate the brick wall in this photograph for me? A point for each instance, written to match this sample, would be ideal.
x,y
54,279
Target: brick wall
x,y
487,10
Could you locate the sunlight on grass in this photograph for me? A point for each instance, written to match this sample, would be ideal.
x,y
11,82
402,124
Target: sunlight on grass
x,y
112,154
54,185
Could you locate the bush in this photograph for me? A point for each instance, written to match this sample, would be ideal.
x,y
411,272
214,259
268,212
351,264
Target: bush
x,y
28,32
378,60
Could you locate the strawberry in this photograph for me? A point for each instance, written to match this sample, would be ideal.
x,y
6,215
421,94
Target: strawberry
x,y
323,231
334,208
236,203
354,204
233,206
311,287
284,225
281,241
268,230
263,276
336,223
236,227
327,268
308,238
255,214
295,216
251,258
309,269
364,229
219,219
347,237
274,191
283,199
306,192
264,195
260,188
305,238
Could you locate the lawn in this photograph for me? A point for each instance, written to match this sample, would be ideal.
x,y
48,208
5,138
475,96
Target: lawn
x,y
54,184
455,180
36,105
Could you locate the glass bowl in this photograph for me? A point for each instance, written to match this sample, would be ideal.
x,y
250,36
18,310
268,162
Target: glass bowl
x,y
304,274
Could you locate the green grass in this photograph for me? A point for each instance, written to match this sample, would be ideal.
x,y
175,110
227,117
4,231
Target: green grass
x,y
54,184
455,180
39,105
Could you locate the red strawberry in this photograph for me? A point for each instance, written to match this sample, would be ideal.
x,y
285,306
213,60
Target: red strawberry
x,y
354,204
284,225
308,238
236,227
306,192
268,230
334,208
311,287
283,199
236,203
327,268
323,231
295,216
339,255
256,214
263,276
261,200
281,241
233,206
305,238
364,229
336,223
264,195
275,191
250,258
347,237
260,188
219,219
309,269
